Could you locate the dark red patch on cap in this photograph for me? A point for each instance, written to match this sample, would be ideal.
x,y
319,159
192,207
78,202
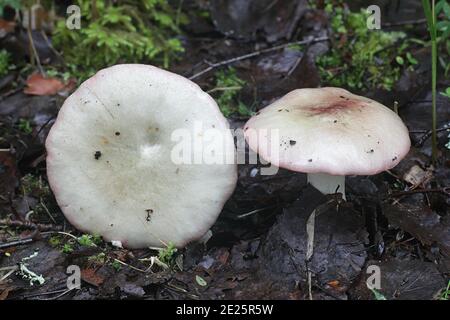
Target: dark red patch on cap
x,y
335,107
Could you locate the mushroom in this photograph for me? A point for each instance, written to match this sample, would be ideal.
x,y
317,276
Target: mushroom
x,y
109,160
328,133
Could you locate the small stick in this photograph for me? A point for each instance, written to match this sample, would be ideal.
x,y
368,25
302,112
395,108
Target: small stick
x,y
243,215
34,51
131,267
49,44
43,126
48,212
10,270
428,134
60,295
27,224
396,107
15,243
254,54
61,233
45,293
406,22
224,89
444,190
11,92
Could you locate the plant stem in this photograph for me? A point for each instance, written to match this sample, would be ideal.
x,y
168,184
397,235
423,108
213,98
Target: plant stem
x,y
433,84
431,20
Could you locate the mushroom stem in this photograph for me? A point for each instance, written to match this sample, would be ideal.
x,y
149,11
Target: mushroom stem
x,y
327,184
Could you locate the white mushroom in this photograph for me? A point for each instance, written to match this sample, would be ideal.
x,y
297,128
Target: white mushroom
x,y
109,158
329,133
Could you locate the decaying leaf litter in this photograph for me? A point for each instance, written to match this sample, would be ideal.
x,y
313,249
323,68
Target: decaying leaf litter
x,y
265,243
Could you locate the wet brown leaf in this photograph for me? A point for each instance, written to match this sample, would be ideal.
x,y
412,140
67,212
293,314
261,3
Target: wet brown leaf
x,y
8,174
6,27
424,224
40,86
92,277
4,293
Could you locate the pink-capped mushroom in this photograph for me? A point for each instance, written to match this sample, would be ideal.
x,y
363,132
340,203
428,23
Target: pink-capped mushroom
x,y
110,165
328,133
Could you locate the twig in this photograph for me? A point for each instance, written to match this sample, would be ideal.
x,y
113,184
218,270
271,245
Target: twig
x,y
297,62
254,54
444,190
34,51
25,224
10,270
45,293
16,243
253,212
48,212
60,295
61,233
177,18
310,226
28,224
49,44
429,133
405,22
43,126
11,92
224,89
131,267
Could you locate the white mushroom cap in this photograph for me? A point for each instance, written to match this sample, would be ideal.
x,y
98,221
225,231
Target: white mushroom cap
x,y
109,158
329,130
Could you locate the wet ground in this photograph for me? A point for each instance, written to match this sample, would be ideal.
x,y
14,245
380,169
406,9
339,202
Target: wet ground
x,y
398,221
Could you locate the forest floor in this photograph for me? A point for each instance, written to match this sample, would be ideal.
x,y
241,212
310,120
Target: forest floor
x,y
398,220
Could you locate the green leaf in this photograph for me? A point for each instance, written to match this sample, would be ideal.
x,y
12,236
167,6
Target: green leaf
x,y
67,248
378,295
88,240
200,281
446,293
167,254
446,93
411,59
399,60
430,18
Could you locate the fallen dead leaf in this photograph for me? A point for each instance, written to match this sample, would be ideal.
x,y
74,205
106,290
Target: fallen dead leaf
x,y
6,27
334,284
40,86
223,256
4,294
91,277
8,174
422,223
416,175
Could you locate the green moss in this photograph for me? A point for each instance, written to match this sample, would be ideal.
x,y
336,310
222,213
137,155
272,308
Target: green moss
x,y
98,259
34,186
446,292
67,248
361,58
88,240
227,88
5,63
120,33
25,126
54,241
116,265
167,254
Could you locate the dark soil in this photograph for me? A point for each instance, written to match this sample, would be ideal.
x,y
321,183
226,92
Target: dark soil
x,y
397,220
